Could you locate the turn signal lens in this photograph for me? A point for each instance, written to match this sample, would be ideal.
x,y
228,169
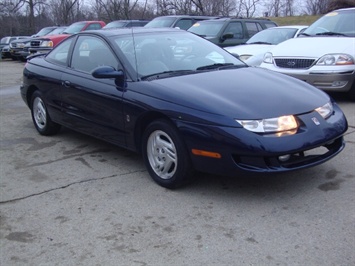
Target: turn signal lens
x,y
326,110
206,153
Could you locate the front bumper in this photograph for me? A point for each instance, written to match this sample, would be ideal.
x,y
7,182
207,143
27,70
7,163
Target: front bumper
x,y
242,150
336,80
42,50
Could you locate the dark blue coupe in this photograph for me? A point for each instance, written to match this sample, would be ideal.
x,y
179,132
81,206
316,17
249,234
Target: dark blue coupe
x,y
183,102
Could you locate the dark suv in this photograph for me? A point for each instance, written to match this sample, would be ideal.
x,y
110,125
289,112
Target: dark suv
x,y
176,21
230,31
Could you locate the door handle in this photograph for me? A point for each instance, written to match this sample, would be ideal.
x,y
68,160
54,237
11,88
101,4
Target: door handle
x,y
66,83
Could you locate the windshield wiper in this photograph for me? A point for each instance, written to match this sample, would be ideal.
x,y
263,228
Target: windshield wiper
x,y
260,43
330,33
166,74
220,66
305,34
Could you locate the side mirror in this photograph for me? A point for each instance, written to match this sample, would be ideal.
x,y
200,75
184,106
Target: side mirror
x,y
227,36
106,72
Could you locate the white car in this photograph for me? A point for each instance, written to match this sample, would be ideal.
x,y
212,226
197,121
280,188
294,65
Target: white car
x,y
324,57
252,52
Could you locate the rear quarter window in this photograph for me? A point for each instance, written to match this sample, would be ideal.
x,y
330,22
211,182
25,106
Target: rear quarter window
x,y
60,54
252,28
270,25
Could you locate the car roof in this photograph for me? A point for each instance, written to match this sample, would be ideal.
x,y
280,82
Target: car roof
x,y
128,20
344,9
235,18
185,16
87,21
123,31
288,27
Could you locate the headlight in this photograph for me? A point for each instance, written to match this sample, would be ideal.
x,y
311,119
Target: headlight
x,y
278,124
47,44
20,45
244,57
326,110
268,58
335,60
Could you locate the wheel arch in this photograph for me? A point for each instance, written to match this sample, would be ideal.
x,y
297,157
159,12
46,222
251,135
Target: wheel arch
x,y
29,94
142,124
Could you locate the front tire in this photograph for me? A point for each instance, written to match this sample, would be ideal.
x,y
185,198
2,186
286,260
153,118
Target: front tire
x,y
40,117
165,155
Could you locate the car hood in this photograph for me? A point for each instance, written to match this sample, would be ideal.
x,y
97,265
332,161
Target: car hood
x,y
314,47
22,40
251,49
54,36
245,93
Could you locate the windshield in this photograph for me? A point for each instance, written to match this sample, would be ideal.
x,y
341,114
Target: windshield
x,y
178,51
75,28
206,29
5,40
161,22
57,31
115,24
44,31
342,22
273,36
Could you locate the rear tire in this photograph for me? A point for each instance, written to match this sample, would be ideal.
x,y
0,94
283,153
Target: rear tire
x,y
40,117
165,155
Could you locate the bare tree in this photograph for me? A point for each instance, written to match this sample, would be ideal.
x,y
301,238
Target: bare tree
x,y
215,8
9,11
288,8
315,7
248,7
117,9
335,4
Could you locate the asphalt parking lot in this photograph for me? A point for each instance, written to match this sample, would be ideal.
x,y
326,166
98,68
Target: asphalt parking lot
x,y
70,199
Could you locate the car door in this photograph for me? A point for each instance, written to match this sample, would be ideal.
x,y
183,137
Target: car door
x,y
234,28
92,105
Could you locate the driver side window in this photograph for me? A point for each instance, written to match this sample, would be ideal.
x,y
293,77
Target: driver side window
x,y
236,29
90,52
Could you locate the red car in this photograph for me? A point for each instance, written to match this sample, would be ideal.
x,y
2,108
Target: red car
x,y
46,43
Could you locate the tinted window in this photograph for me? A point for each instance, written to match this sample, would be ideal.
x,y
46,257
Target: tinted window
x,y
94,26
184,24
207,29
90,52
252,28
138,24
161,22
270,25
236,29
60,54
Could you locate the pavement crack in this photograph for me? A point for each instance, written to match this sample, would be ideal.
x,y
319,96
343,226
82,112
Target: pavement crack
x,y
65,158
68,185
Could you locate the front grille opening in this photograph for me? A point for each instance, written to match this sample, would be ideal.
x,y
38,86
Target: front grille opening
x,y
294,63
